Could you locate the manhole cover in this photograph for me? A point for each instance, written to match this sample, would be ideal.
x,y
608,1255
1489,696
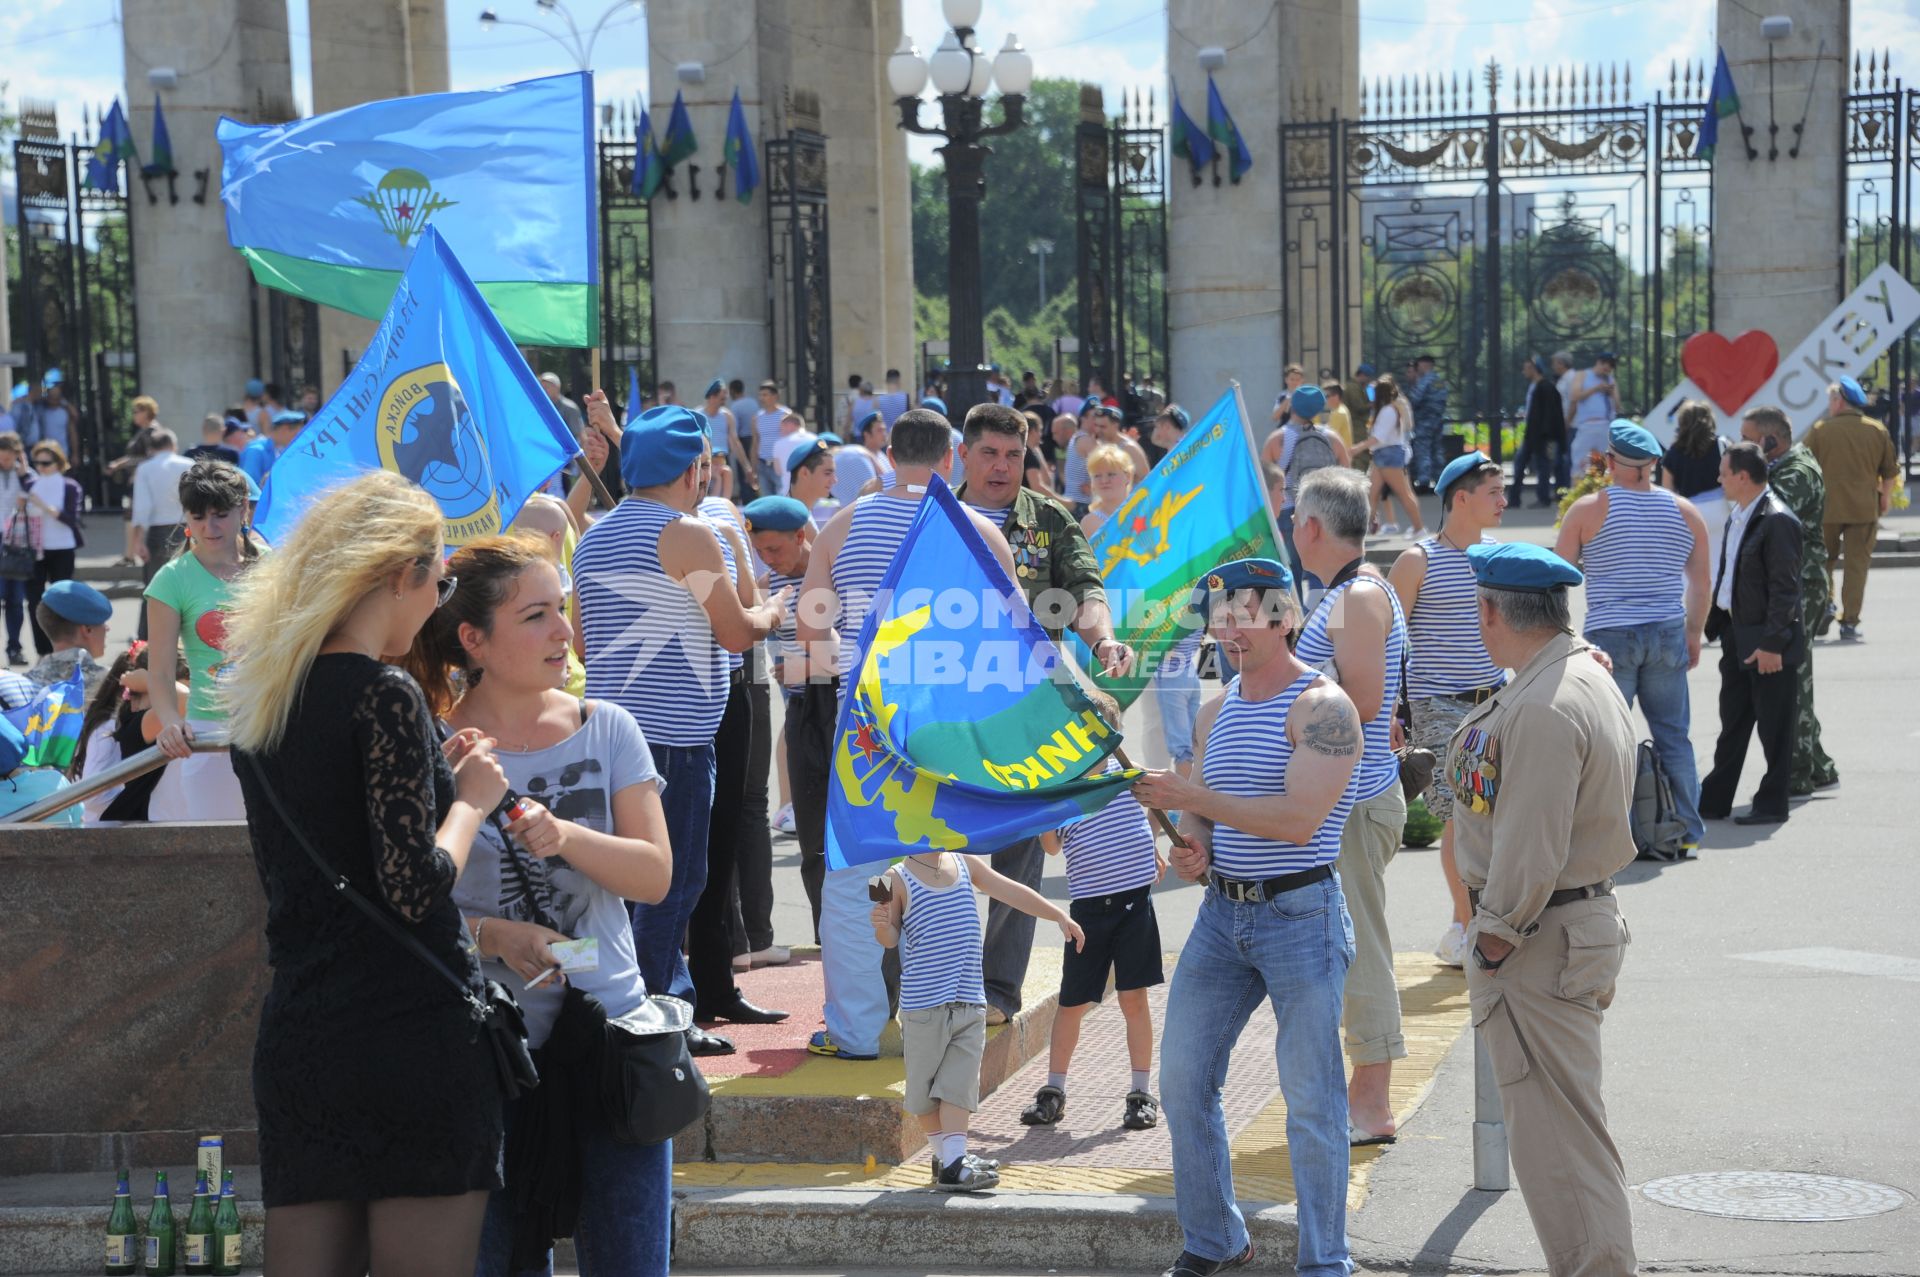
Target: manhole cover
x,y
1775,1195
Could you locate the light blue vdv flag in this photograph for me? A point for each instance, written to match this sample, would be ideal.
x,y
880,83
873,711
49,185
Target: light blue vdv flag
x,y
443,397
329,208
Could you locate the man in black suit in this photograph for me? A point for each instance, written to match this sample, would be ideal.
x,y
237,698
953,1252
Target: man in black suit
x,y
1756,616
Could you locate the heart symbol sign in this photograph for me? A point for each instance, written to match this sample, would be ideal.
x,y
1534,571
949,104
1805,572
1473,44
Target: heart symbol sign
x,y
1730,371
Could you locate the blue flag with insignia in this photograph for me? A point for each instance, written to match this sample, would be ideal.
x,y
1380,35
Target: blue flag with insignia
x,y
960,730
50,722
443,397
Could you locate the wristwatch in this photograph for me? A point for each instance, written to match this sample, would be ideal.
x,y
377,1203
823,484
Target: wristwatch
x,y
1485,963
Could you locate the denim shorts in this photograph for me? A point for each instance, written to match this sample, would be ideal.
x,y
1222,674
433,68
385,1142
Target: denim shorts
x,y
1391,457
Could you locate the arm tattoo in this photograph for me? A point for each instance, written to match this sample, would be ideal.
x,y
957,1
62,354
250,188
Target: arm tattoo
x,y
1330,730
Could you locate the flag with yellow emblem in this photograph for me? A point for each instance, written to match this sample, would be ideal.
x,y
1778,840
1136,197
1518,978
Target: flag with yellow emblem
x,y
962,729
50,722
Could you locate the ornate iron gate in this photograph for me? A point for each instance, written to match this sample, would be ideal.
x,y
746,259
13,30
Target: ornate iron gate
x,y
626,263
76,285
1093,237
797,255
1883,163
1140,242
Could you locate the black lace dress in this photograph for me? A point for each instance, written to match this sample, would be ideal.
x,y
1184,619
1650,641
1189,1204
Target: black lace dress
x,y
369,1076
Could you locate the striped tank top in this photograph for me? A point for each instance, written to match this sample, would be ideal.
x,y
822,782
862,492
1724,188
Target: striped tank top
x,y
874,534
717,432
1079,479
766,430
1112,850
786,641
1448,655
940,942
1636,565
717,511
852,467
1379,768
650,647
1247,753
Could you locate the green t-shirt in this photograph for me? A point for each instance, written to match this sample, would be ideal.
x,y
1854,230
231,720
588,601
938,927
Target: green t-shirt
x,y
201,599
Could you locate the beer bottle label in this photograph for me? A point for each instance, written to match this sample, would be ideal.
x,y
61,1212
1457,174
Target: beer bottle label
x,y
231,1259
120,1251
197,1248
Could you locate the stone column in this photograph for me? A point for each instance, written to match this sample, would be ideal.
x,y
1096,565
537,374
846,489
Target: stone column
x,y
196,339
1779,220
895,340
427,45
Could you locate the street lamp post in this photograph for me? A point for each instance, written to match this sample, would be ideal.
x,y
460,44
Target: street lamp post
x,y
961,75
1040,248
577,45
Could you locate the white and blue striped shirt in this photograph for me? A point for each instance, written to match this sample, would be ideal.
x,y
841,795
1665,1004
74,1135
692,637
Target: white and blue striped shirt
x,y
766,430
852,467
890,404
650,647
786,641
1112,850
1079,480
940,941
1379,767
716,511
874,534
1636,565
1247,753
717,431
1447,656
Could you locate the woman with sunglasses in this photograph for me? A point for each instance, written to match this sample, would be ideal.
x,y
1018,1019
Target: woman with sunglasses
x,y
54,498
379,1105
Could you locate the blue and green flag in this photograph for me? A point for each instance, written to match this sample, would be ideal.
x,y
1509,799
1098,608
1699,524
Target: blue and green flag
x,y
740,154
962,730
160,157
679,143
1189,139
50,722
1203,504
114,145
648,171
1722,100
330,208
1222,129
443,397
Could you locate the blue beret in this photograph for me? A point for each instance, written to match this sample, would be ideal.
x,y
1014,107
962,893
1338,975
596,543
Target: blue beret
x,y
715,387
53,377
806,452
936,403
1095,408
1178,415
775,514
1851,392
256,387
1457,469
289,417
1309,401
1631,440
1521,566
78,602
1239,574
659,445
1365,370
860,426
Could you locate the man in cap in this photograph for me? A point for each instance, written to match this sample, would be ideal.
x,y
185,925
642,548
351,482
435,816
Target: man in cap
x,y
1056,571
811,478
1262,820
658,615
45,417
863,459
1856,456
257,458
1543,777
1297,449
74,617
1448,669
1644,550
1795,480
1428,397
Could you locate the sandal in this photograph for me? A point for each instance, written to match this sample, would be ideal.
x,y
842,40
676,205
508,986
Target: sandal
x,y
1143,1112
1049,1106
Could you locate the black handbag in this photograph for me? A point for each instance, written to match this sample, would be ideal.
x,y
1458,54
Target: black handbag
x,y
650,1089
497,1014
16,553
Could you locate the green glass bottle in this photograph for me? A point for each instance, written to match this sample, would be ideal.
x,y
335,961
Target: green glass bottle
x,y
226,1231
123,1231
160,1230
199,1248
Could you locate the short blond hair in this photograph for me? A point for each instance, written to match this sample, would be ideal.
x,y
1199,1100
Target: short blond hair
x,y
1109,456
148,403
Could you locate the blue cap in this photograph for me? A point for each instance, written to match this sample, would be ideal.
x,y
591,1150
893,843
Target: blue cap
x,y
1239,574
1309,402
1851,392
78,602
1521,566
1459,468
1606,355
289,417
21,390
934,402
860,426
775,514
53,378
256,387
806,452
1366,370
13,746
1178,415
716,387
1094,408
1631,440
659,445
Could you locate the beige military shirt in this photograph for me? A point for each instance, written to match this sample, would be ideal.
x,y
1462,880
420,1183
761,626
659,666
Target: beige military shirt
x,y
1542,776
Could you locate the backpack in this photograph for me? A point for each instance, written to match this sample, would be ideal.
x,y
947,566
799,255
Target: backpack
x,y
1657,831
1313,450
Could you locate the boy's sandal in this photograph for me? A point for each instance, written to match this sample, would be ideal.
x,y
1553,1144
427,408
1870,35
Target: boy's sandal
x,y
1143,1112
1049,1105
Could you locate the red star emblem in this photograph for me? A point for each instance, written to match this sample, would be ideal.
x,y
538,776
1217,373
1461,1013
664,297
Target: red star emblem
x,y
1139,524
403,210
863,740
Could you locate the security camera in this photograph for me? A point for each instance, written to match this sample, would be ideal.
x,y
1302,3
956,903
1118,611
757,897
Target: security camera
x,y
163,78
1778,27
1212,58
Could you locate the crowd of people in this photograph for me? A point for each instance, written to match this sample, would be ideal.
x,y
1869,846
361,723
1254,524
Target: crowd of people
x,y
566,734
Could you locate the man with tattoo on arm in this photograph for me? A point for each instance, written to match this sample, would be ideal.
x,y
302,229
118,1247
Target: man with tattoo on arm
x,y
1273,783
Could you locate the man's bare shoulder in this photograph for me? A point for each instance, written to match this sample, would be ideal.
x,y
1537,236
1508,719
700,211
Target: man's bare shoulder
x,y
1323,720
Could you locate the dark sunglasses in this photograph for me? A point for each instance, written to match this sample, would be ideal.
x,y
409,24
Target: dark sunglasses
x,y
445,587
41,463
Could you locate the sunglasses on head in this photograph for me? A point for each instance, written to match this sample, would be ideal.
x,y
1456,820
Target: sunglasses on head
x,y
445,588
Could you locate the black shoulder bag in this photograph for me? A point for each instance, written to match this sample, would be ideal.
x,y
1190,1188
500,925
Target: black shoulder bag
x,y
498,1015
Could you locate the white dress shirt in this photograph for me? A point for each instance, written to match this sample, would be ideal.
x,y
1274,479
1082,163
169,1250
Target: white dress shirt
x,y
1737,520
156,490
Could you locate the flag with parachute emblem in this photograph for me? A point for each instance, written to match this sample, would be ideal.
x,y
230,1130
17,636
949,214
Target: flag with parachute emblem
x,y
443,397
1189,139
330,208
961,730
648,171
160,156
678,143
1222,129
1722,100
50,722
114,145
740,157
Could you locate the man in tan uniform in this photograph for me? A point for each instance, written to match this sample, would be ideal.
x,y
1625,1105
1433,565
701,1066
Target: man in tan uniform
x,y
1856,458
1542,776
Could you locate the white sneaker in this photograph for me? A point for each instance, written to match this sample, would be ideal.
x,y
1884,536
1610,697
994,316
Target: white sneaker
x,y
1390,530
783,820
1452,949
774,955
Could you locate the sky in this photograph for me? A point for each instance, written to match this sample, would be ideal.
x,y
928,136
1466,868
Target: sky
x,y
69,50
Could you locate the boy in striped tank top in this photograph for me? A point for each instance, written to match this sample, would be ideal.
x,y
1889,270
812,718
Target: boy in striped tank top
x,y
1278,752
930,913
1644,552
1112,864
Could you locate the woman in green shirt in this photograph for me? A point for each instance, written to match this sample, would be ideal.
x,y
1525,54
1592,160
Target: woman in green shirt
x,y
187,604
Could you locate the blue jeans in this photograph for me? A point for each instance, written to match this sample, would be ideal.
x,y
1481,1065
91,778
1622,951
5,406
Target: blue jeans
x,y
626,1213
1651,663
687,803
1294,951
1178,690
1302,579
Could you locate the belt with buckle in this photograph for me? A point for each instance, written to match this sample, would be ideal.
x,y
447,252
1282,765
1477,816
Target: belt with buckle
x,y
1565,896
1477,695
1248,891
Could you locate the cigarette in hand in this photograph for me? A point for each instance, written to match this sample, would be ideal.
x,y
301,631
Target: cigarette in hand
x,y
542,976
